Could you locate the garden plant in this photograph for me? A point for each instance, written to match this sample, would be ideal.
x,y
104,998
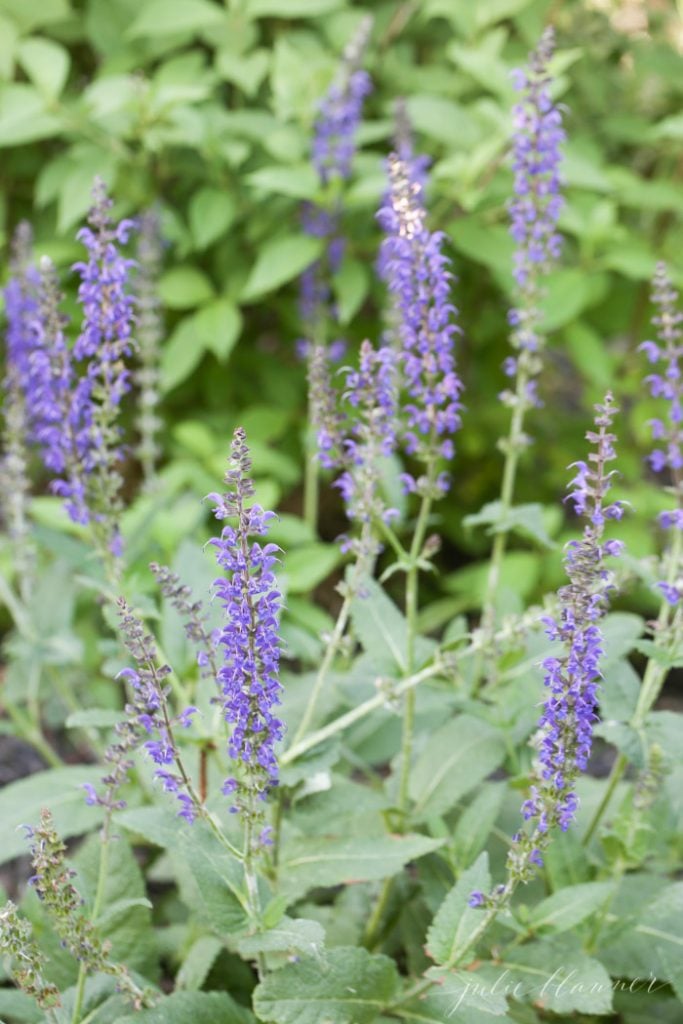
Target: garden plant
x,y
342,504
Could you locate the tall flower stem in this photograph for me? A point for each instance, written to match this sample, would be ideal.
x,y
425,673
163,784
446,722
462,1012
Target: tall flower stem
x,y
332,648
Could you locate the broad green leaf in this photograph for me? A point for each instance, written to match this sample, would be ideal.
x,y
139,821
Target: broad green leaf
x,y
556,976
167,17
488,12
216,327
59,789
47,65
308,566
349,987
442,119
185,287
619,691
455,924
30,14
307,863
23,116
125,916
180,355
566,861
351,284
476,821
246,70
19,1008
651,934
292,8
568,907
456,759
193,1008
568,294
620,631
519,572
210,879
526,520
279,261
86,718
198,961
290,935
299,182
211,213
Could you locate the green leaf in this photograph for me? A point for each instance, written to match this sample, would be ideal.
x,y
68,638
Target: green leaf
x,y
19,1008
180,355
23,117
308,863
292,8
193,1008
456,922
526,520
350,284
456,759
210,880
217,327
47,65
620,631
568,293
280,260
557,976
299,181
246,70
568,907
60,789
290,935
167,17
350,987
88,717
476,821
125,916
185,287
198,961
308,566
30,14
211,213
619,691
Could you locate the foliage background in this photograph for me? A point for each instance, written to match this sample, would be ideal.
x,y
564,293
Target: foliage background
x,y
207,109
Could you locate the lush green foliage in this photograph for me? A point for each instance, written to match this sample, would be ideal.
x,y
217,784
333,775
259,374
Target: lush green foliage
x,y
362,905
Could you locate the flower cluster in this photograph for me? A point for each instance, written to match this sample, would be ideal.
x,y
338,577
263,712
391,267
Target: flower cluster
x,y
194,618
21,307
534,213
371,392
105,342
416,271
149,335
248,678
334,143
571,678
668,384
149,711
27,962
52,884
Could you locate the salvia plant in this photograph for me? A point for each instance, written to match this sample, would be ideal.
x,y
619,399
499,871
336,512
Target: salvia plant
x,y
289,790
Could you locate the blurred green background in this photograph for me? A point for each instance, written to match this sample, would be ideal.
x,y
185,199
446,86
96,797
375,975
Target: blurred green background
x,y
207,109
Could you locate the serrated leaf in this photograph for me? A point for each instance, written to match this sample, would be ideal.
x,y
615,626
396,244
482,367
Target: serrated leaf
x,y
456,759
455,923
349,987
280,260
568,907
166,17
193,1008
558,977
308,863
60,789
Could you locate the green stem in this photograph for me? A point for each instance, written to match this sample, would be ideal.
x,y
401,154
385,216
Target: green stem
x,y
95,913
311,485
356,714
412,592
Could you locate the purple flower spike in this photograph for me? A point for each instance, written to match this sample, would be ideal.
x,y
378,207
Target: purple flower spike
x,y
417,273
249,677
536,160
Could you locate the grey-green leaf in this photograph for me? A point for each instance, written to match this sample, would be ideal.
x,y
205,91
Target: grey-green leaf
x,y
456,922
350,987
